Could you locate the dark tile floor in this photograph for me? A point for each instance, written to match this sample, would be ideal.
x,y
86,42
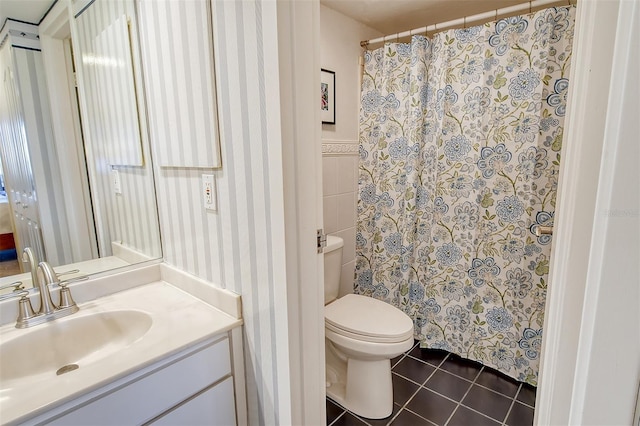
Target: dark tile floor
x,y
432,387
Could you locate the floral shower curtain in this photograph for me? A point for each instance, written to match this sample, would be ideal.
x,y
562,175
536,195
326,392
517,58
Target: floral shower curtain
x,y
460,140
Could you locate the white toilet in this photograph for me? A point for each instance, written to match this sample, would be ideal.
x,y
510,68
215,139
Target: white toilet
x,y
362,334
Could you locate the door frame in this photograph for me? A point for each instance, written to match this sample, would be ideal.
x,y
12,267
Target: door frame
x,y
583,196
55,34
299,71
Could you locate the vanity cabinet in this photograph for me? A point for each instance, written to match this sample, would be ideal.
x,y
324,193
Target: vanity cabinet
x,y
192,387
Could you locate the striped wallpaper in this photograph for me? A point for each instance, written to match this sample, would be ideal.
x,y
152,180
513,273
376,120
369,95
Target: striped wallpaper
x,y
233,247
182,97
129,218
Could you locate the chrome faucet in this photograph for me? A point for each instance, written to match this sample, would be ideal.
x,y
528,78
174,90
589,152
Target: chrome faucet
x,y
46,305
48,311
29,257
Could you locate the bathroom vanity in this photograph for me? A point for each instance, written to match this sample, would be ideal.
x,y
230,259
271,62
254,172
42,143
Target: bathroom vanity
x,y
149,353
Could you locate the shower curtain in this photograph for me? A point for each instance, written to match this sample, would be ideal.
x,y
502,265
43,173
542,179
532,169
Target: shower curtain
x,y
460,144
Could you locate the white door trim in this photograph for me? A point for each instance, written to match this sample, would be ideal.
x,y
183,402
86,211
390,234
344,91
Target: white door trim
x,y
299,62
582,188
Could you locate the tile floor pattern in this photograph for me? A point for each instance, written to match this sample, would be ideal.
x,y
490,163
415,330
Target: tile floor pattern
x,y
433,387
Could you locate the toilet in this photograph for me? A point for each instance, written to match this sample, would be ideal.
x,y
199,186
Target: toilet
x,y
362,334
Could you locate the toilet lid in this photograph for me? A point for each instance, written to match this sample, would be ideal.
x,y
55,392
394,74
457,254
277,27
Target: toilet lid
x,y
368,318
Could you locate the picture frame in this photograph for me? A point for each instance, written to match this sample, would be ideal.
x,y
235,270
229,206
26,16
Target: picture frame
x,y
328,96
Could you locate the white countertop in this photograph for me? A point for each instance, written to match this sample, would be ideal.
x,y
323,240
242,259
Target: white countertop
x,y
179,321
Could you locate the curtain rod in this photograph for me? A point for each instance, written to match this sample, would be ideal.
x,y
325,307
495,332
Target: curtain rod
x,y
485,17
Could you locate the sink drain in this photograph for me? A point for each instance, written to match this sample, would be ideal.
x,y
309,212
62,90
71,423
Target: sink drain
x,y
66,369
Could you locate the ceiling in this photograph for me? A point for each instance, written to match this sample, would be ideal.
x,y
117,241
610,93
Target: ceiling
x,y
24,10
386,16
393,16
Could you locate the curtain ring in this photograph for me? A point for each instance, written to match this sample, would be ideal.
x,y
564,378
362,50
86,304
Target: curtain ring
x,y
496,14
529,7
464,22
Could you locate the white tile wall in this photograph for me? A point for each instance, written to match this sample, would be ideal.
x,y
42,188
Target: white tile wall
x,y
329,176
347,173
330,207
346,204
340,191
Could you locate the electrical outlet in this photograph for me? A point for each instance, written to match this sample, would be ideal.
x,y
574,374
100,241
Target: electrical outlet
x,y
209,192
115,179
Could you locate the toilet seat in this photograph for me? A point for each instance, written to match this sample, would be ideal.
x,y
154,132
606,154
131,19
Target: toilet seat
x,y
367,319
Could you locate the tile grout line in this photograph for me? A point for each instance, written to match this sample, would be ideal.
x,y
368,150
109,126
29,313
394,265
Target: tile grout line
x,y
482,414
473,409
474,382
522,384
423,418
467,380
336,419
459,403
405,354
427,362
513,401
420,386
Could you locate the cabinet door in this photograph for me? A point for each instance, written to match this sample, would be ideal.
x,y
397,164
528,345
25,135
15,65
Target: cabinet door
x,y
213,407
150,396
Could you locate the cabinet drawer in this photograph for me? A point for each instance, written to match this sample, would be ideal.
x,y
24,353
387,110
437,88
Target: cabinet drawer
x,y
143,399
213,407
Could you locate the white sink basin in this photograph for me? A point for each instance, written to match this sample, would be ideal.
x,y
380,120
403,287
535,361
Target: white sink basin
x,y
71,342
109,338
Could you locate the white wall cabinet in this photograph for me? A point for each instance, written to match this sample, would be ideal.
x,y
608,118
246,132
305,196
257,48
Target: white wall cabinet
x,y
194,387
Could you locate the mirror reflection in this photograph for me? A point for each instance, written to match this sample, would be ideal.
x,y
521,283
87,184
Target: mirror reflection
x,y
76,172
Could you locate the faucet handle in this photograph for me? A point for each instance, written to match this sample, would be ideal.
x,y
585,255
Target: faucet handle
x,y
17,289
25,310
17,286
66,301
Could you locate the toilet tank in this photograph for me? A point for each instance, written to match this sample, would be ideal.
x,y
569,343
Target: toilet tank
x,y
332,267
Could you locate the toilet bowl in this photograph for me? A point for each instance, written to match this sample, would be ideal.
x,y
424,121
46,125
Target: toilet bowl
x,y
362,334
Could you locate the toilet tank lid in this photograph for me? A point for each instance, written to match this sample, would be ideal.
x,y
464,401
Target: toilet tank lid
x,y
333,243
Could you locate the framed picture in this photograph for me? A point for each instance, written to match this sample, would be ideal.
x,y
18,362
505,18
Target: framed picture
x,y
328,96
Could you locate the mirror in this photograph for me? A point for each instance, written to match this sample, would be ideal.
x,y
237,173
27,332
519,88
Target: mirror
x,y
76,161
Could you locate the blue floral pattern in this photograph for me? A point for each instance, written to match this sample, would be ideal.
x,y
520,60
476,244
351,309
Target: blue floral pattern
x,y
460,147
558,99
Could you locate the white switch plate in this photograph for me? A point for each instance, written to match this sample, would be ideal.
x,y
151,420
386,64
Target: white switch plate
x,y
115,178
209,192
